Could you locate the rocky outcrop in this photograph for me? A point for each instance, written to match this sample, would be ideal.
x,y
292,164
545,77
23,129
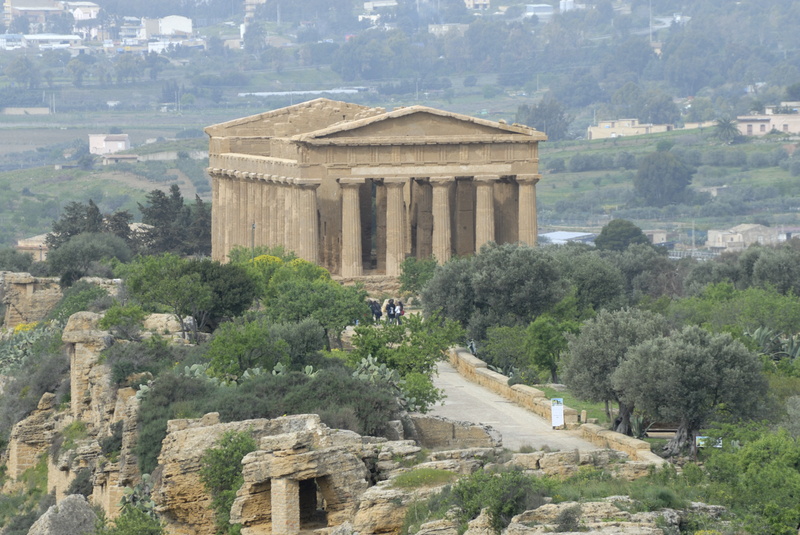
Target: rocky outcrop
x,y
31,437
93,395
71,516
179,494
28,298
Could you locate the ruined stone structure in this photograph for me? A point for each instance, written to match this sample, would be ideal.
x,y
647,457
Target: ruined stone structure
x,y
28,298
359,189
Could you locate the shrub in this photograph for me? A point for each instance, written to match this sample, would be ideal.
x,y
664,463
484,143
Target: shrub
x,y
80,296
124,321
423,477
569,519
221,473
152,355
503,495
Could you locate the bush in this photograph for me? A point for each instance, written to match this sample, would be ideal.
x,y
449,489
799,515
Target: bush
x,y
152,355
78,297
423,477
124,321
503,495
221,473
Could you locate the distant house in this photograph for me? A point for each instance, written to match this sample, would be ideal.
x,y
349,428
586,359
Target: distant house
x,y
35,245
108,143
477,4
742,236
379,4
625,127
82,10
12,41
657,237
50,41
173,25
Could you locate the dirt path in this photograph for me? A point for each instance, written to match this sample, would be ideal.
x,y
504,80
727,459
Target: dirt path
x,y
470,402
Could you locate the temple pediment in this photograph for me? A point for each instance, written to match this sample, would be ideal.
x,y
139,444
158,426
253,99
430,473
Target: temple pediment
x,y
419,124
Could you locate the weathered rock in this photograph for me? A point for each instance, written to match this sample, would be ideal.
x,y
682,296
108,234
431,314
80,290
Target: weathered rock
x,y
162,324
28,298
482,525
381,510
93,394
31,437
179,494
71,516
439,527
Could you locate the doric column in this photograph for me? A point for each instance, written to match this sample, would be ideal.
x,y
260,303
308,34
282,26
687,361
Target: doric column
x,y
280,211
285,502
251,217
528,224
351,227
424,219
395,247
215,221
288,220
442,243
228,209
484,210
262,207
306,224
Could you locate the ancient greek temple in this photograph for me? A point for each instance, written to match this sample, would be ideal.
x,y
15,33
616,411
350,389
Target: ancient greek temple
x,y
357,189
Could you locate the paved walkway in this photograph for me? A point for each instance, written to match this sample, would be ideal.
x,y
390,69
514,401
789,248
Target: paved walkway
x,y
467,401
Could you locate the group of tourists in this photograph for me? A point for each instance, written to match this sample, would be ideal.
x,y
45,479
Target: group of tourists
x,y
394,311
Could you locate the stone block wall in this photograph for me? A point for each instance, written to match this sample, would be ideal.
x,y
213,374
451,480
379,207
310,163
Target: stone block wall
x,y
638,450
435,432
531,398
476,370
28,298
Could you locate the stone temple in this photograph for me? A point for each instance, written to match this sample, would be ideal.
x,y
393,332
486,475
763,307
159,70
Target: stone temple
x,y
358,189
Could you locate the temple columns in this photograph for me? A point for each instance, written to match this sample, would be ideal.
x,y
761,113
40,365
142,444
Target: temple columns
x,y
395,244
528,226
484,211
442,242
351,263
306,221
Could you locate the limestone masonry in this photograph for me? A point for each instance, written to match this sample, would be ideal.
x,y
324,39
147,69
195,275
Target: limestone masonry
x,y
358,189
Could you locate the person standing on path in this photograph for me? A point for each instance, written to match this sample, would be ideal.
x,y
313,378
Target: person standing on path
x,y
399,311
390,312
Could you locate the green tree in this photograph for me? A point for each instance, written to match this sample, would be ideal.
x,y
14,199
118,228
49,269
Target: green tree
x,y
13,260
602,345
662,178
690,377
548,116
415,274
83,254
546,342
725,130
162,280
502,285
221,473
619,234
24,72
412,349
78,218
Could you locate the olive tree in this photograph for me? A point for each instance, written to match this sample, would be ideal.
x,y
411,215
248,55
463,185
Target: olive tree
x,y
601,347
688,378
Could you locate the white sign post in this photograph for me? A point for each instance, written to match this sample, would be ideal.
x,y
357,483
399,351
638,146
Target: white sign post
x,y
557,412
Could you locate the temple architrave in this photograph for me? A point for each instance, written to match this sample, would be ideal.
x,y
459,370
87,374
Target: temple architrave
x,y
358,189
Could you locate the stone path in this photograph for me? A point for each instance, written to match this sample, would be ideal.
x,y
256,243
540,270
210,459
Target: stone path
x,y
467,401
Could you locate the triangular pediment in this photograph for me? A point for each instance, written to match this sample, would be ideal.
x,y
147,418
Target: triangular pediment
x,y
419,122
293,120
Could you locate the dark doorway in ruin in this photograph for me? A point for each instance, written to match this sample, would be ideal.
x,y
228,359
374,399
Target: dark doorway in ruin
x,y
312,506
